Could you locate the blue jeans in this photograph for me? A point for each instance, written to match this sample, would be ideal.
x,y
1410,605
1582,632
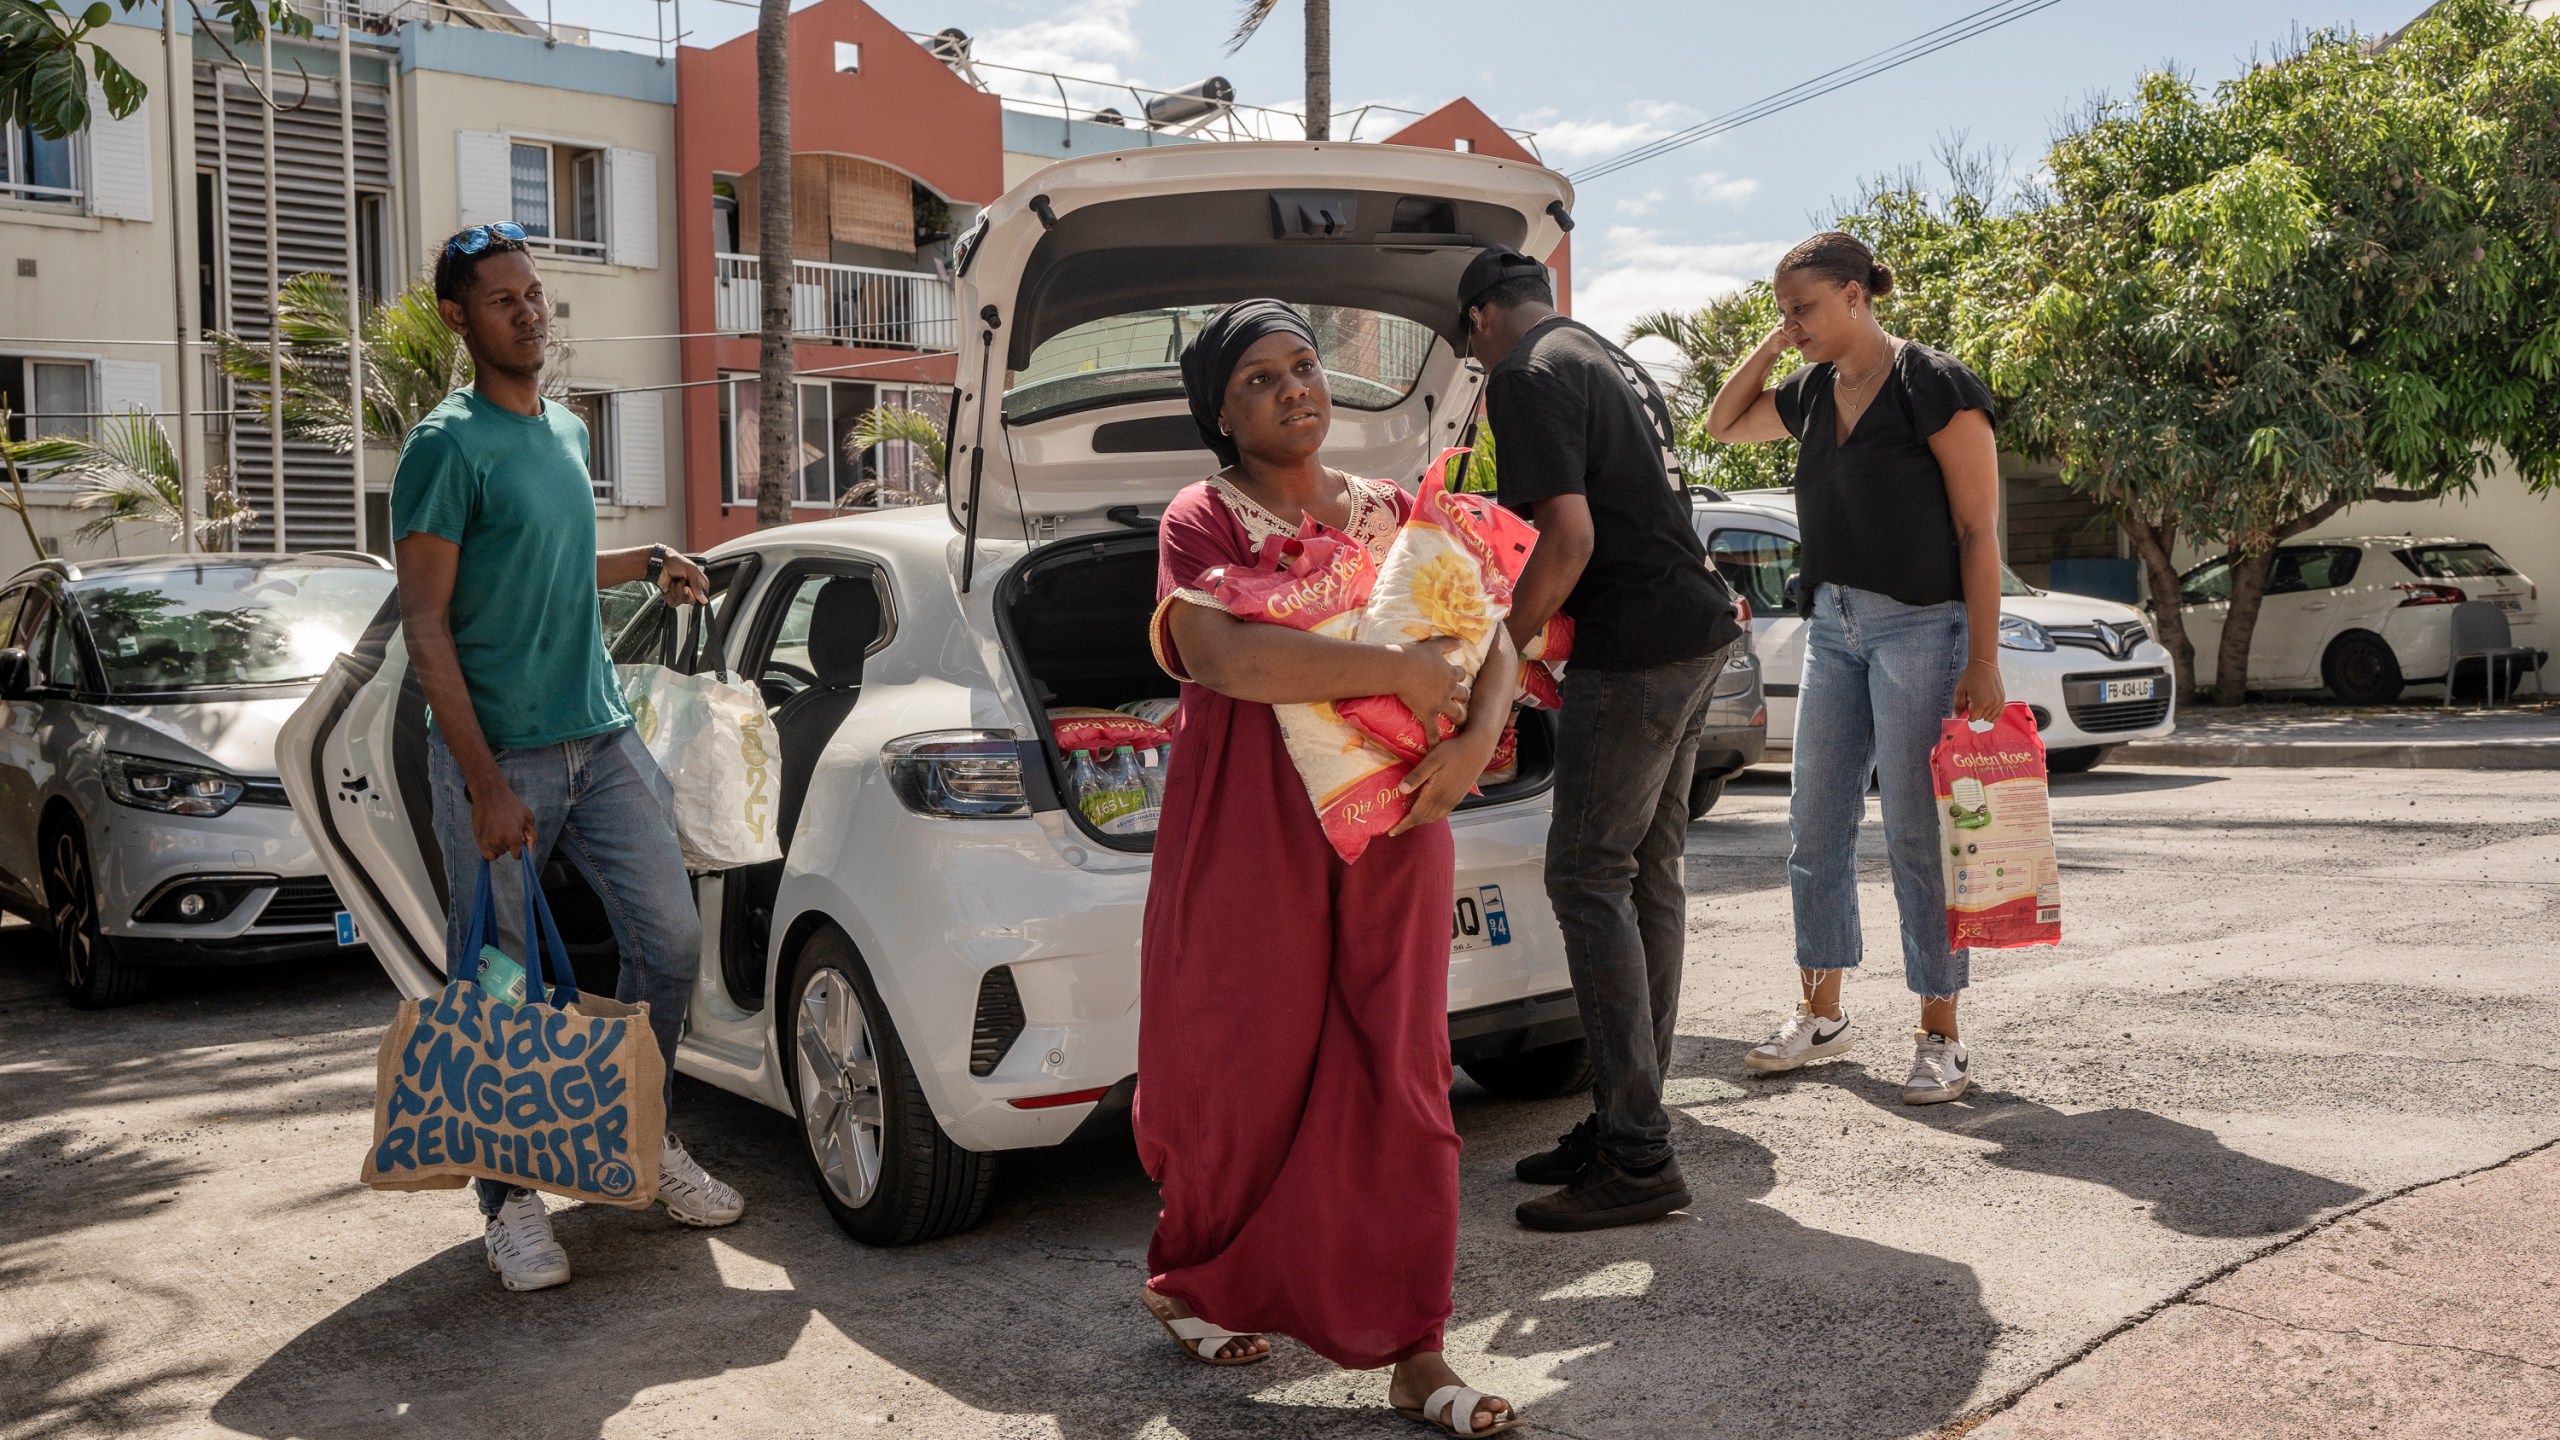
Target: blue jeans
x,y
1626,741
611,803
1879,676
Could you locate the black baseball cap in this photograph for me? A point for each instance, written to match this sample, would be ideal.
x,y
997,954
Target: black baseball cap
x,y
1491,266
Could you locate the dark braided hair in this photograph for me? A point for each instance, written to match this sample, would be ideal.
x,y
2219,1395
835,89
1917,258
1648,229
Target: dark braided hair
x,y
1842,259
455,269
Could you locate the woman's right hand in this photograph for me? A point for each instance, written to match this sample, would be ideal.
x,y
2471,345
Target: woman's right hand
x,y
1777,342
1434,683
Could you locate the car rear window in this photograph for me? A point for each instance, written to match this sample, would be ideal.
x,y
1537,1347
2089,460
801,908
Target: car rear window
x,y
2455,562
1372,360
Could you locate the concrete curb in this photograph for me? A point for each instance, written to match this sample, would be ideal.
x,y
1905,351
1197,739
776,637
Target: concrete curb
x,y
2345,754
1981,1415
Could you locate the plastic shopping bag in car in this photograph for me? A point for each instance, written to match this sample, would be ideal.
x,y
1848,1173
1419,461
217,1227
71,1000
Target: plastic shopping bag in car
x,y
1319,580
1995,832
1542,664
711,735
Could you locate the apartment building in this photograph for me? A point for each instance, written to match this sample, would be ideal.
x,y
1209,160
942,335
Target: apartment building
x,y
461,112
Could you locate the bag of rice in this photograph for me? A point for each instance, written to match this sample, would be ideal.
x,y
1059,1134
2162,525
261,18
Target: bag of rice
x,y
1541,686
1318,580
1504,767
1448,575
1082,727
1995,824
1165,711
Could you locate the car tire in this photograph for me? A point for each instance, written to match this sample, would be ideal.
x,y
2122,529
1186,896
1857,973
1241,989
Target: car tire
x,y
1547,1073
2075,759
2361,670
93,977
1704,792
881,1162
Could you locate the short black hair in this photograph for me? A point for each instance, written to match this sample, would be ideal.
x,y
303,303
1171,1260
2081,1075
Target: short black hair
x,y
455,269
1518,290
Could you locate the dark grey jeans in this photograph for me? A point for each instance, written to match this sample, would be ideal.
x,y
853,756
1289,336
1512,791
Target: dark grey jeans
x,y
1627,741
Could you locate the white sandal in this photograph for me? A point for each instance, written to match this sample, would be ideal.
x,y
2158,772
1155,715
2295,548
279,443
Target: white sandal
x,y
1448,1404
1198,1338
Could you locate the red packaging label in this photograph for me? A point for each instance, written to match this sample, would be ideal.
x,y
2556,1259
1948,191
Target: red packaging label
x,y
1995,833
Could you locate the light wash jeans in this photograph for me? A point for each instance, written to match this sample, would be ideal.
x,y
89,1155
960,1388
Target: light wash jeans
x,y
608,800
1626,741
1879,676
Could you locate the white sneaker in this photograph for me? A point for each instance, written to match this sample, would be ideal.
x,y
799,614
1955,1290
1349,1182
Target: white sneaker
x,y
1940,1070
1805,1036
521,1247
690,1194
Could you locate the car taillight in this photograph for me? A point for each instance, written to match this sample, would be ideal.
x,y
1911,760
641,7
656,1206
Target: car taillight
x,y
957,774
1742,611
2430,595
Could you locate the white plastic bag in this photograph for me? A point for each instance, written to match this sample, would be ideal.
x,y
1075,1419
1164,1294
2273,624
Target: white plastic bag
x,y
711,735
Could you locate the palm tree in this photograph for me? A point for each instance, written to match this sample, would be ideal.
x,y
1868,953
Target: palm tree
x,y
1712,340
1319,56
411,362
129,473
920,433
775,447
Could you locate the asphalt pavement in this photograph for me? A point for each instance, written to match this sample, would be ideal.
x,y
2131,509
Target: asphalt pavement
x,y
2285,995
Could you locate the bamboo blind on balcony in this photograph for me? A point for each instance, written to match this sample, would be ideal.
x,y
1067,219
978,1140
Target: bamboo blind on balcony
x,y
836,198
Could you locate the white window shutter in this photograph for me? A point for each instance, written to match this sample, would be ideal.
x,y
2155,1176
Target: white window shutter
x,y
481,180
129,385
119,160
640,447
632,180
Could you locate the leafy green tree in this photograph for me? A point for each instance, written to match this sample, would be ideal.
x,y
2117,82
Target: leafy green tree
x,y
2332,279
47,55
922,436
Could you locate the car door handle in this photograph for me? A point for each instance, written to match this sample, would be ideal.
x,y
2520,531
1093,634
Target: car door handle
x,y
2317,605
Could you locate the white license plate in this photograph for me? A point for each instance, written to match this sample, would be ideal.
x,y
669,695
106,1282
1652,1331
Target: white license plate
x,y
2508,603
1478,922
2142,689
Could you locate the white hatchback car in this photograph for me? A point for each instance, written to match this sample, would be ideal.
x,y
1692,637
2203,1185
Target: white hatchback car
x,y
944,965
2087,667
2363,616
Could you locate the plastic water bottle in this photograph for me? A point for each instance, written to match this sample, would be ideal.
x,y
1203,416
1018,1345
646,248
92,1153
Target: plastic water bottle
x,y
1084,783
1151,774
1127,792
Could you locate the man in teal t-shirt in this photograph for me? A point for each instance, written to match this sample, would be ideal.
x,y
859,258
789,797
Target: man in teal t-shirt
x,y
493,522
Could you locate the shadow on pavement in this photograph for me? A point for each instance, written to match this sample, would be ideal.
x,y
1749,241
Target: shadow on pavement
x,y
1757,1324
2195,1184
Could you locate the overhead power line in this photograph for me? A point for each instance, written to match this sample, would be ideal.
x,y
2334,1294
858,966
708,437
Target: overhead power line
x,y
1893,57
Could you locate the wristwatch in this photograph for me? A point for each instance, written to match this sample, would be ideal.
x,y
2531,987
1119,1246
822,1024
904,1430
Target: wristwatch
x,y
657,561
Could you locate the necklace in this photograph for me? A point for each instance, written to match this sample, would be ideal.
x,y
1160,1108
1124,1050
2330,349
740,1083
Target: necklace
x,y
1872,376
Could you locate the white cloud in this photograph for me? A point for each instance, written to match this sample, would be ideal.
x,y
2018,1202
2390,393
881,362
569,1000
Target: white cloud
x,y
1640,204
1717,188
1633,270
1087,40
1565,140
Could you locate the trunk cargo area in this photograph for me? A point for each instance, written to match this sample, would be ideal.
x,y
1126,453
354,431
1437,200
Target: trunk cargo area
x,y
1074,619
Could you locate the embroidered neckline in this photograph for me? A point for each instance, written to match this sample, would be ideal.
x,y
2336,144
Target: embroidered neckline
x,y
1368,505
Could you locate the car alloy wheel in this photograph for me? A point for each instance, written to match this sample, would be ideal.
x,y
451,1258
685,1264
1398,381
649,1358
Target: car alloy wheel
x,y
839,1087
74,893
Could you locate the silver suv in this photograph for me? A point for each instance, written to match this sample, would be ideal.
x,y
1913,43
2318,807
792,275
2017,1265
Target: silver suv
x,y
141,821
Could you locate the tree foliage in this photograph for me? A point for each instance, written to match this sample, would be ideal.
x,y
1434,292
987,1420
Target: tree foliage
x,y
1712,341
2226,314
47,56
128,473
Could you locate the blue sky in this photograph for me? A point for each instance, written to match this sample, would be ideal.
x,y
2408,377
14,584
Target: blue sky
x,y
1593,77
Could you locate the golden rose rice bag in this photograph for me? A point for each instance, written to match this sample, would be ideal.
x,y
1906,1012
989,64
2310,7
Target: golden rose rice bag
x,y
1995,831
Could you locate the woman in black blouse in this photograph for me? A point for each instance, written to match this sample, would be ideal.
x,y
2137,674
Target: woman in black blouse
x,y
1897,495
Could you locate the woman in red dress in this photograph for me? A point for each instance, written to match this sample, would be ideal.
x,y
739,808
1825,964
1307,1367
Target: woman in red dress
x,y
1293,1043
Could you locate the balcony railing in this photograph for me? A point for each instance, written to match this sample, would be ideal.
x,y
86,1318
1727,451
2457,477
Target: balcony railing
x,y
842,304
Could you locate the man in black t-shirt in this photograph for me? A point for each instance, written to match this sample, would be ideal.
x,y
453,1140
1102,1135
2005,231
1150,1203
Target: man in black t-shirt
x,y
1586,454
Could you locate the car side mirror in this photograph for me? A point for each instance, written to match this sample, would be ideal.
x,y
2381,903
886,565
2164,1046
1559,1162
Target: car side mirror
x,y
15,683
1793,590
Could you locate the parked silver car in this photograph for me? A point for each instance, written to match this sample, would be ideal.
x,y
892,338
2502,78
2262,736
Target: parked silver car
x,y
141,821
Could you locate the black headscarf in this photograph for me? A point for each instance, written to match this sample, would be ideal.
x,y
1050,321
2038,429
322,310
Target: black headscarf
x,y
1211,358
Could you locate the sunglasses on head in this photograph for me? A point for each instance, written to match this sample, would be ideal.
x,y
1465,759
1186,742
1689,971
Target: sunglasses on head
x,y
477,238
